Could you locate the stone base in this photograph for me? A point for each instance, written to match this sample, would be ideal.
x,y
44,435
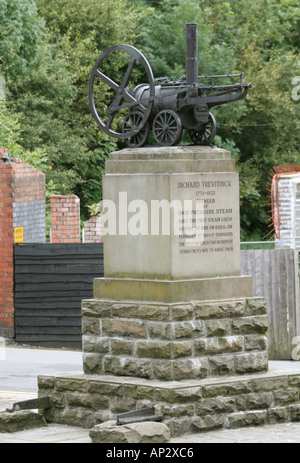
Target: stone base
x,y
169,342
187,406
198,289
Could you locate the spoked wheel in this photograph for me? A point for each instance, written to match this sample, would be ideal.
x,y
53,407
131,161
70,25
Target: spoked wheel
x,y
206,132
119,100
167,128
131,122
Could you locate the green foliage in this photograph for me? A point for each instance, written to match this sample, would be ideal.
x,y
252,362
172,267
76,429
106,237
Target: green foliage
x,y
10,131
164,44
20,32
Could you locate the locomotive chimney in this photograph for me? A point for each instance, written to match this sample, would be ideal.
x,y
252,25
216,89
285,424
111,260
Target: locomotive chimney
x,y
191,53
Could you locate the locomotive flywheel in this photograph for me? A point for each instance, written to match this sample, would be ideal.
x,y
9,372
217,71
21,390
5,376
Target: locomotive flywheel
x,y
111,99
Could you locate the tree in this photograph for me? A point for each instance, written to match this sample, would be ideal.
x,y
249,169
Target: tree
x,y
21,30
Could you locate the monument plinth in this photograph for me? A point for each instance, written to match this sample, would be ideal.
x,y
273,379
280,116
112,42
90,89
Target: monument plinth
x,y
163,248
172,303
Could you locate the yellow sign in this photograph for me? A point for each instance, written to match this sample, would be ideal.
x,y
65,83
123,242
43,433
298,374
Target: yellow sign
x,y
19,235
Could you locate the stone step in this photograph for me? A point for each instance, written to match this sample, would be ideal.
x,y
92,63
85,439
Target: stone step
x,y
187,406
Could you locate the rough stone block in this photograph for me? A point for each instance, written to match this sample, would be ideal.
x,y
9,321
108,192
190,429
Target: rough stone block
x,y
221,365
254,401
230,344
23,419
251,362
98,387
96,344
182,312
250,325
294,381
154,349
241,419
119,327
130,366
189,329
154,312
278,415
256,306
162,370
58,400
256,342
135,433
92,401
190,369
286,396
92,363
217,327
208,422
160,330
90,325
295,412
96,308
122,404
121,346
181,349
215,405
190,394
270,384
220,309
124,310
70,384
139,392
46,382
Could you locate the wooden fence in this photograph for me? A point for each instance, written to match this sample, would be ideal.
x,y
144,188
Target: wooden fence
x,y
50,282
52,279
275,276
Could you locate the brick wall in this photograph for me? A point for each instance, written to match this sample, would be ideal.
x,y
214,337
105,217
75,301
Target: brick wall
x,y
29,202
93,230
65,219
6,247
22,204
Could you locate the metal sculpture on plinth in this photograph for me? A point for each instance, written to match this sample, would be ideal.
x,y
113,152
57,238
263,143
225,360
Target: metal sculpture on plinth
x,y
167,107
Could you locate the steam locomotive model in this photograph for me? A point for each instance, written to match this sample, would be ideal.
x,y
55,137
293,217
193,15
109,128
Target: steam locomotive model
x,y
164,106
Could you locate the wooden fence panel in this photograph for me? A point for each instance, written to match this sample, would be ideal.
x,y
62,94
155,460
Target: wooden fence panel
x,y
50,282
275,276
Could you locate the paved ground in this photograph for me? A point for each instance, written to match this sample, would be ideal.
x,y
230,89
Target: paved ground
x,y
288,433
20,367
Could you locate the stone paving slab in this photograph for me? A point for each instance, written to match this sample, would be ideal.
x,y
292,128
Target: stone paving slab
x,y
287,433
52,434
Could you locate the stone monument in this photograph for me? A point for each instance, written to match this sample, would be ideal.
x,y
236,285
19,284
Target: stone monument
x,y
154,308
178,331
172,324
